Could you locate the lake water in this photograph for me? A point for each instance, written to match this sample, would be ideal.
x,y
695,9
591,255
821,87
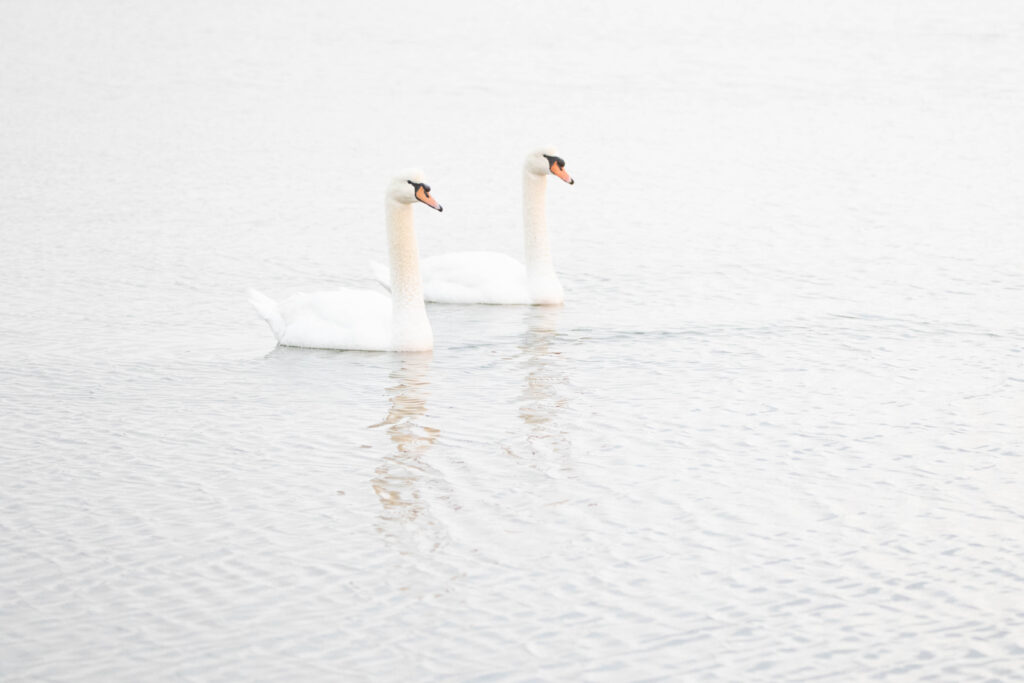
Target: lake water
x,y
775,433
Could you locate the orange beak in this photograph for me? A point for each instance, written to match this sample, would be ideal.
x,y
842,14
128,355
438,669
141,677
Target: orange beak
x,y
560,172
424,197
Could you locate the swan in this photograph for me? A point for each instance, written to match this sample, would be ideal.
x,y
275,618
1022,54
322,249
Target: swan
x,y
360,319
486,277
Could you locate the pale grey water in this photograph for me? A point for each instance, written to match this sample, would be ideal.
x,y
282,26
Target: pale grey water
x,y
774,434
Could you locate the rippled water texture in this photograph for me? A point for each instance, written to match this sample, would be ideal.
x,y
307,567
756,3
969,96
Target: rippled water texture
x,y
774,434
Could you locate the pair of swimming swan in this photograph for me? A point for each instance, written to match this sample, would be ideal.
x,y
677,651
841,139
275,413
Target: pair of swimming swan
x,y
365,320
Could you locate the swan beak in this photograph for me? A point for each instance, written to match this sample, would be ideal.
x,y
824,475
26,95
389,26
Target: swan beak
x,y
422,196
560,172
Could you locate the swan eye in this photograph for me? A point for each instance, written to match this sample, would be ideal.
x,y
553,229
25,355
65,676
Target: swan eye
x,y
552,160
416,187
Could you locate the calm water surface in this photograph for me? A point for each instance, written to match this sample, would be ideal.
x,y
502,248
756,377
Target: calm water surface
x,y
774,434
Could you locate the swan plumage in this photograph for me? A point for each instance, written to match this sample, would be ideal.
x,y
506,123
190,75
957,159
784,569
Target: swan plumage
x,y
354,319
494,278
359,319
469,277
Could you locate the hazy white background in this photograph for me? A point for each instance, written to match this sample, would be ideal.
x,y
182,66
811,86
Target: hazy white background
x,y
775,433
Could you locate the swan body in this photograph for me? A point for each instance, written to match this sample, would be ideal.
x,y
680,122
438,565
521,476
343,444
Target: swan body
x,y
358,319
482,277
342,319
470,277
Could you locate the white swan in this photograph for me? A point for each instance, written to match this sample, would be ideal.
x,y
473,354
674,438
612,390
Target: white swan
x,y
485,277
361,319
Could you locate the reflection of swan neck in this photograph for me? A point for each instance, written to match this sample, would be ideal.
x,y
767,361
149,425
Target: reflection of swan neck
x,y
409,395
409,314
396,481
543,320
535,226
540,402
542,327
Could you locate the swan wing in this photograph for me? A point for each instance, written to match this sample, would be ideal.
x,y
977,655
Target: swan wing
x,y
357,319
483,277
382,274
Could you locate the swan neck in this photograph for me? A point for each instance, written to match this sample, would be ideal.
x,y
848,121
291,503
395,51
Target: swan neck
x,y
404,259
535,227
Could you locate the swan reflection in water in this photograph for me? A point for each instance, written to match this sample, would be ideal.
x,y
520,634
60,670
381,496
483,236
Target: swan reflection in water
x,y
541,401
399,476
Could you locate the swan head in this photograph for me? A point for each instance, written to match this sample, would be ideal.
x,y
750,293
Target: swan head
x,y
409,187
545,160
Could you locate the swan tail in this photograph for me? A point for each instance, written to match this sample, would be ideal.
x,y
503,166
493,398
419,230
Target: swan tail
x,y
269,311
381,274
